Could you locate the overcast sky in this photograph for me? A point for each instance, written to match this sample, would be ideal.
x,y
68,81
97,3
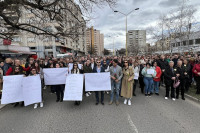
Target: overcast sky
x,y
113,24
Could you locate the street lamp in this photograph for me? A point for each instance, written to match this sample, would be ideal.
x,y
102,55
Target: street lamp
x,y
126,23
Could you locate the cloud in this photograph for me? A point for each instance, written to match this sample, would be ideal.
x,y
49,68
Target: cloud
x,y
169,3
113,24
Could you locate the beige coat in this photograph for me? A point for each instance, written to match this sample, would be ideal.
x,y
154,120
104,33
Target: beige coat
x,y
127,86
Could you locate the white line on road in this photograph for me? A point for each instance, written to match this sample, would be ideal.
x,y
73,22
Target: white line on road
x,y
133,127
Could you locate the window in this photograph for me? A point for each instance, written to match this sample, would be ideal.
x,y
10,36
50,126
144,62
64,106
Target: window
x,y
32,48
197,41
184,43
191,42
48,47
178,44
16,39
31,39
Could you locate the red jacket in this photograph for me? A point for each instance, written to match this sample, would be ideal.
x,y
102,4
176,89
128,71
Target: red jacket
x,y
158,74
196,69
11,69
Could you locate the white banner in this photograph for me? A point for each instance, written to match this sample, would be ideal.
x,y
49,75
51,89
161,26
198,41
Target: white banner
x,y
150,71
74,88
55,76
97,81
32,90
12,89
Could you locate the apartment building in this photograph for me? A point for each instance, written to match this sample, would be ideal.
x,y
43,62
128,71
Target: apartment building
x,y
94,41
136,41
49,45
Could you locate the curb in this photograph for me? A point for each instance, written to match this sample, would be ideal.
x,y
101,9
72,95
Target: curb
x,y
192,98
2,105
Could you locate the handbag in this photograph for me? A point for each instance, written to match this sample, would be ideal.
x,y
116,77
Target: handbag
x,y
176,83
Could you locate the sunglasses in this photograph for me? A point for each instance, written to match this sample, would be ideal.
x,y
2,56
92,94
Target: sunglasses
x,y
125,62
98,62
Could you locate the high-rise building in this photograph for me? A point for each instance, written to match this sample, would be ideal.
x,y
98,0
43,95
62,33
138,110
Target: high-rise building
x,y
94,41
136,41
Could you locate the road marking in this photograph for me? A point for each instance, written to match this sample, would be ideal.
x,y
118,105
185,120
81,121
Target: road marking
x,y
133,127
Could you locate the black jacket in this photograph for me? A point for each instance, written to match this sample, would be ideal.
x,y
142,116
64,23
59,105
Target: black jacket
x,y
168,74
95,69
162,64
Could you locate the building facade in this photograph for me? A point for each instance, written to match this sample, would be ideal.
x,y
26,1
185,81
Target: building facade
x,y
49,45
136,41
94,41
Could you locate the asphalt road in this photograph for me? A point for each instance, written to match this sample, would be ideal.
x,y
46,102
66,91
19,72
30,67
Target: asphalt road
x,y
145,115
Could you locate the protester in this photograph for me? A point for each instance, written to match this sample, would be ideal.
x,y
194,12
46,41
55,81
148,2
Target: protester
x,y
187,75
156,79
116,76
196,71
141,77
59,88
99,69
148,79
75,70
87,69
169,78
34,73
1,81
127,83
136,76
17,64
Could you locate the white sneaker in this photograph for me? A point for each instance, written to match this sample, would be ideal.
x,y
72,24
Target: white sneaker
x,y
129,102
166,98
41,104
87,95
173,99
125,101
35,106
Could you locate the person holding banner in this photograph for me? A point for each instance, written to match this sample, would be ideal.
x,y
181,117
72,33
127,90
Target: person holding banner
x,y
99,69
16,71
75,70
87,69
34,73
149,73
127,83
59,88
116,76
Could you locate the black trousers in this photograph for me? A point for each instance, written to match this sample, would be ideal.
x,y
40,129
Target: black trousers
x,y
182,88
135,85
59,91
141,82
172,90
97,96
198,84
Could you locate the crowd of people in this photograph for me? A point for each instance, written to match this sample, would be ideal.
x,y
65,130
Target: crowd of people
x,y
176,73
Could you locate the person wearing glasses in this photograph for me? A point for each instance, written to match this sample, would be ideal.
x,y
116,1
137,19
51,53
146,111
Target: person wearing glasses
x,y
127,83
99,69
16,71
76,70
116,76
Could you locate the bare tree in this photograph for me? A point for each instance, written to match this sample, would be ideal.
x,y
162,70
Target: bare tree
x,y
45,11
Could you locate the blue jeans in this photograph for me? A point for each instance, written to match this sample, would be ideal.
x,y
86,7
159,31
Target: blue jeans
x,y
156,86
148,81
115,86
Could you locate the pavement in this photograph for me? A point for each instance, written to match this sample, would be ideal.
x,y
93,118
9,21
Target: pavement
x,y
146,115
